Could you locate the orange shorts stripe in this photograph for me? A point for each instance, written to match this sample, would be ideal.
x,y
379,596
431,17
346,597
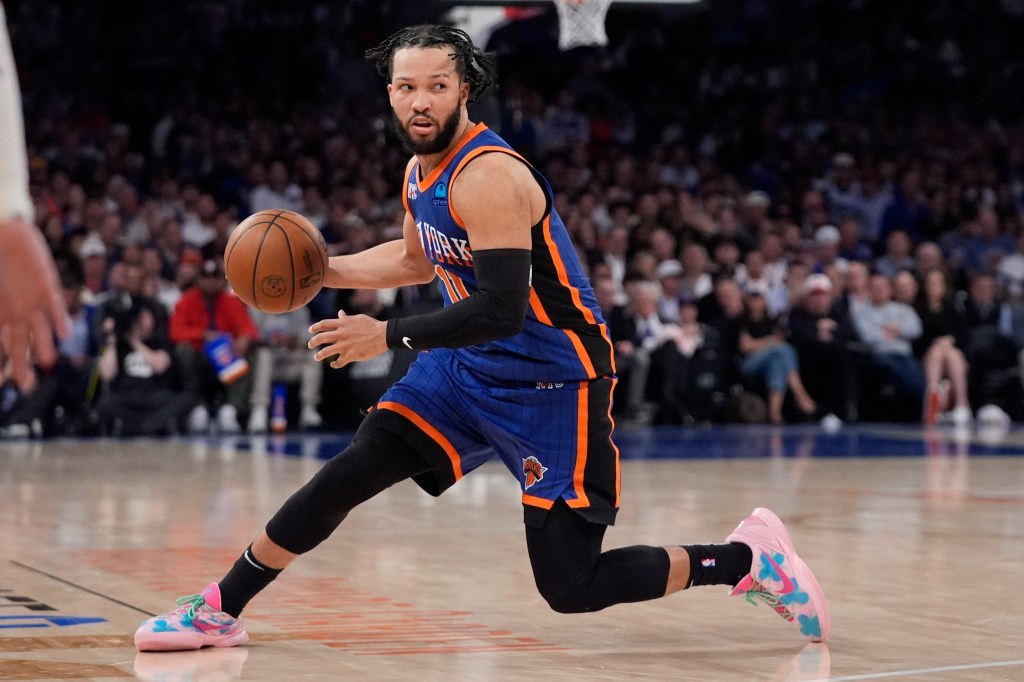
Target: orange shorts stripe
x,y
534,501
428,429
582,426
618,465
588,366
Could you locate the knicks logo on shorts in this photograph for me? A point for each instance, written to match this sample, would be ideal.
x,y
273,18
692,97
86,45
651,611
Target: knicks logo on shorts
x,y
533,471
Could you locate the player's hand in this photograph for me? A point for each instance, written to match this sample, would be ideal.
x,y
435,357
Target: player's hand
x,y
359,337
31,301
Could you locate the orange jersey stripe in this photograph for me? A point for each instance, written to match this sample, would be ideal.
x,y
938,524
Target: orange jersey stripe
x,y
563,278
434,174
443,275
405,187
581,351
426,428
460,286
462,164
535,501
582,425
538,308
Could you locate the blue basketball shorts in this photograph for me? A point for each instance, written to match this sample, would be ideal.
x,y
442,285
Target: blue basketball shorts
x,y
555,438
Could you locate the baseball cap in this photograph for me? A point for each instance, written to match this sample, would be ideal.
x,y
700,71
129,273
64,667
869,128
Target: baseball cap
x,y
817,282
843,160
669,268
757,198
827,234
92,245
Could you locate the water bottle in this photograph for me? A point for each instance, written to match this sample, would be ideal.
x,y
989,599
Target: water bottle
x,y
278,407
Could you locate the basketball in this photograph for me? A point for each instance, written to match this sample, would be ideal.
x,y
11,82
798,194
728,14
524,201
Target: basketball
x,y
275,261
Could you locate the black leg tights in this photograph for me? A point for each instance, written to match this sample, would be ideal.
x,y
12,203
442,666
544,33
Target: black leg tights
x,y
374,461
574,576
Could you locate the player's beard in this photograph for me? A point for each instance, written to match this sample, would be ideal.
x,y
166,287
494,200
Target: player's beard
x,y
441,141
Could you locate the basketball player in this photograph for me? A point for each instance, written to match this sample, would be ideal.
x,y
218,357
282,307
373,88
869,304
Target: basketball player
x,y
31,300
520,367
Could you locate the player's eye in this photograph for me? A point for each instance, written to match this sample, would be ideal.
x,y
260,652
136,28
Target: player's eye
x,y
439,86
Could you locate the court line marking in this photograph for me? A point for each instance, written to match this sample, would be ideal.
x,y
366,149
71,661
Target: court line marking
x,y
81,587
922,671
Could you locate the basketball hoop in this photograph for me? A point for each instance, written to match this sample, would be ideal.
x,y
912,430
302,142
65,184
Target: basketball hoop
x,y
581,22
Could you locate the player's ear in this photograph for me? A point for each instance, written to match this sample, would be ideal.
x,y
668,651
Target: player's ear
x,y
464,93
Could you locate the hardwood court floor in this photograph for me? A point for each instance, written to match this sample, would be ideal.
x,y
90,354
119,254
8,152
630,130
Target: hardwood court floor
x,y
921,558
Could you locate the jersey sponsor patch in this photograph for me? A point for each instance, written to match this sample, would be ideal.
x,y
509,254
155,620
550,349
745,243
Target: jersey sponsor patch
x,y
413,192
440,195
533,471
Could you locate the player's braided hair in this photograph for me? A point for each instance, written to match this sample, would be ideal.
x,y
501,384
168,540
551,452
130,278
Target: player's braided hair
x,y
474,66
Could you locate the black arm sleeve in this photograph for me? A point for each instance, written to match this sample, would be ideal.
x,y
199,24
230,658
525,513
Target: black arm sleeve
x,y
495,311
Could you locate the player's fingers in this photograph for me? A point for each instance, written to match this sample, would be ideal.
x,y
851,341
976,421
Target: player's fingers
x,y
59,314
42,341
326,352
16,346
320,339
323,326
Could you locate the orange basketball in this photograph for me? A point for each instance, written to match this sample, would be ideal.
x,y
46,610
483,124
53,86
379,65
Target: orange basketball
x,y
275,260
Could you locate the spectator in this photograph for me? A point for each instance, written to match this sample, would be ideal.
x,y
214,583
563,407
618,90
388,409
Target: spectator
x,y
696,278
1011,271
908,209
670,274
943,334
827,240
136,364
852,247
871,205
928,257
204,313
905,288
767,357
282,356
93,255
989,347
888,328
693,379
988,247
821,331
842,190
897,254
66,385
277,192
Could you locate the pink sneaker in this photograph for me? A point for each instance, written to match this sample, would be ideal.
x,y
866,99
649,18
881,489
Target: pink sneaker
x,y
197,622
778,577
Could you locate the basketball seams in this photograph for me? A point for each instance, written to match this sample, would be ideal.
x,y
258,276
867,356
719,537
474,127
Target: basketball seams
x,y
288,223
291,262
234,239
255,263
313,242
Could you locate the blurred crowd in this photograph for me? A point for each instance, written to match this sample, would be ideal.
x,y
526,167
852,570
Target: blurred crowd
x,y
801,213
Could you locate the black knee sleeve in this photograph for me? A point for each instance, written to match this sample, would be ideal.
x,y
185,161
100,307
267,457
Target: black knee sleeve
x,y
574,576
374,461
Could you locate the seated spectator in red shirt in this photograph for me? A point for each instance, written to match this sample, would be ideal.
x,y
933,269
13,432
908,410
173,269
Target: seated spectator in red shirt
x,y
205,312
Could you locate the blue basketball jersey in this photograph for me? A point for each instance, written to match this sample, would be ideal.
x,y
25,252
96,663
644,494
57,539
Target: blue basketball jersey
x,y
564,336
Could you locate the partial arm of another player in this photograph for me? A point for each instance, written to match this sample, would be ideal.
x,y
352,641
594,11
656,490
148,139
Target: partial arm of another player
x,y
31,301
499,201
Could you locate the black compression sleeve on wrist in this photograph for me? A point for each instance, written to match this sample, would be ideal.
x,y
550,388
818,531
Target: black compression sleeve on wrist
x,y
495,311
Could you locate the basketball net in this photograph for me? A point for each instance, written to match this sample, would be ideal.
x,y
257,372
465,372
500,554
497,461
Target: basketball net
x,y
581,22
